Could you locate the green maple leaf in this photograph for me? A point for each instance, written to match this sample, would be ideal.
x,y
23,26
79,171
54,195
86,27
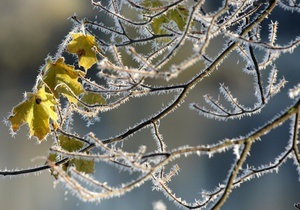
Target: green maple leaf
x,y
91,98
36,110
178,14
86,166
63,79
82,46
72,145
157,22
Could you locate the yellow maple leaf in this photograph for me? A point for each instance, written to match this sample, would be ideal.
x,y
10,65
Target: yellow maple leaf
x,y
36,110
62,79
82,46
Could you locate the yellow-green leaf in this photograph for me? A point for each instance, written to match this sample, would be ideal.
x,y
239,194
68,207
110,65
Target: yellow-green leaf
x,y
92,98
82,45
178,14
36,110
63,79
86,166
157,22
72,145
69,144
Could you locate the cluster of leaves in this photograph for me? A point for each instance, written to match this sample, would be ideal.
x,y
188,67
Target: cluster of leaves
x,y
39,109
60,79
57,79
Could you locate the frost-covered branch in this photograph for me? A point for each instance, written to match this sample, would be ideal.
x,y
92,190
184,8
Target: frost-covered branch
x,y
142,49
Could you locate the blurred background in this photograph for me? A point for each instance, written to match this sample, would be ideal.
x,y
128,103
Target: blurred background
x,y
31,30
